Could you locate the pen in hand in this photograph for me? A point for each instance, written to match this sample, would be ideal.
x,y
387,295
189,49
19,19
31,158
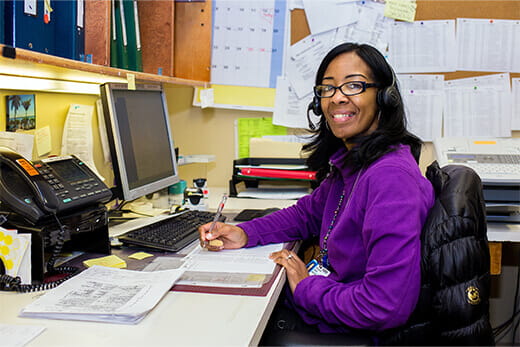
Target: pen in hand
x,y
218,214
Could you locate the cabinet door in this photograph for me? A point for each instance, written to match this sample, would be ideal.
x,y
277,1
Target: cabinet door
x,y
157,23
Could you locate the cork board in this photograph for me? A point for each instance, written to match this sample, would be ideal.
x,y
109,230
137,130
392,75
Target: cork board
x,y
436,9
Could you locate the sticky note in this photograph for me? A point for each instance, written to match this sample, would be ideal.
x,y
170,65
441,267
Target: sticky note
x,y
485,142
401,9
140,255
130,78
108,261
43,140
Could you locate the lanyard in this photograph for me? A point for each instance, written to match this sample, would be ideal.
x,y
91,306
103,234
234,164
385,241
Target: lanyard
x,y
324,251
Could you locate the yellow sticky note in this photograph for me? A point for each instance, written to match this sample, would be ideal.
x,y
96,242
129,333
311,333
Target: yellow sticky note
x,y
130,78
485,142
43,140
108,261
140,255
401,9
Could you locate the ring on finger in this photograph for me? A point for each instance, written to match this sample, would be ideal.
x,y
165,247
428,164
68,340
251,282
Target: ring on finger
x,y
289,257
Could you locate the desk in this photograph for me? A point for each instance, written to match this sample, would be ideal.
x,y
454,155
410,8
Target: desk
x,y
499,233
180,318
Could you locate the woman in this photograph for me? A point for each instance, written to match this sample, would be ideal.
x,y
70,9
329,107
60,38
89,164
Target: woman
x,y
368,210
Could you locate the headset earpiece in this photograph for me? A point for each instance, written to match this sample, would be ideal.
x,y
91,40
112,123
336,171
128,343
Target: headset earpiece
x,y
389,96
315,106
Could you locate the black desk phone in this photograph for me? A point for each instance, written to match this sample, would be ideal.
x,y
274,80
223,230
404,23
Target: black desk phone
x,y
50,186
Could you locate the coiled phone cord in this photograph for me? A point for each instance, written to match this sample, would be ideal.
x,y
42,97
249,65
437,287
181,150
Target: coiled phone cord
x,y
10,283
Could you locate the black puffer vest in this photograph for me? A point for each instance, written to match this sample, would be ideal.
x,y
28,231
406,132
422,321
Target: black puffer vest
x,y
453,307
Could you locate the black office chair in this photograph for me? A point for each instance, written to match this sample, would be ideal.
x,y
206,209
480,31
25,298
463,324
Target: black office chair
x,y
453,307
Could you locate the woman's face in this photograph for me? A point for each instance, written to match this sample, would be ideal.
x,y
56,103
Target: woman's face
x,y
348,116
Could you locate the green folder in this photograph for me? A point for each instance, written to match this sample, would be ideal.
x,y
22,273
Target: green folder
x,y
121,35
131,14
113,36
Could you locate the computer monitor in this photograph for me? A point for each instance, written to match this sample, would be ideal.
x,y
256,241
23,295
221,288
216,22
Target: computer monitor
x,y
140,140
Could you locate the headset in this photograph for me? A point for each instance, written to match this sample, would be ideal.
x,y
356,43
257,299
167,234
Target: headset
x,y
387,97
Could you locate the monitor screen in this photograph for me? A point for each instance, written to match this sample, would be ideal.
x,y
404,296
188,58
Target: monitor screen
x,y
139,137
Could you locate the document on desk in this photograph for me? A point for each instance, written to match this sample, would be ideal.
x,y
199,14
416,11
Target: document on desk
x,y
244,260
18,335
104,294
232,268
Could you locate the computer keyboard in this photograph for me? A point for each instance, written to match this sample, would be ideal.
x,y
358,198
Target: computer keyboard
x,y
171,234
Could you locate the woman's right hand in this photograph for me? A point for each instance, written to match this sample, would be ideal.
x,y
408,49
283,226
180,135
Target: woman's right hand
x,y
230,236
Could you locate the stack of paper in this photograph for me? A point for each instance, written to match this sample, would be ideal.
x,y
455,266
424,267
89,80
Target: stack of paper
x,y
105,294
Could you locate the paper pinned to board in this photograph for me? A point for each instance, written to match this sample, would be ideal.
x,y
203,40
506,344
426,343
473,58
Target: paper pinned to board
x,y
401,9
77,135
43,140
19,142
102,131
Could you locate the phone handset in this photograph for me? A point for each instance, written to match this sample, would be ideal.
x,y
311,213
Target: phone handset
x,y
14,165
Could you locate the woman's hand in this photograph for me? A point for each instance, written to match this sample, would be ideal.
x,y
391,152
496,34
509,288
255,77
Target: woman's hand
x,y
222,236
294,266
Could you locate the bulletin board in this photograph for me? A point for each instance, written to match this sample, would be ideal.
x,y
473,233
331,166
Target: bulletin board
x,y
436,9
230,96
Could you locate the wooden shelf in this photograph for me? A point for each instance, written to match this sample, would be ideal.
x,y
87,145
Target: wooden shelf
x,y
33,64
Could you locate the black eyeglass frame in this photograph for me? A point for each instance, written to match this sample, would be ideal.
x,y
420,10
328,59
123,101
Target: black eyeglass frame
x,y
365,85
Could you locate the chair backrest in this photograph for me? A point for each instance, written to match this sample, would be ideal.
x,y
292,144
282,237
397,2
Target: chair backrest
x,y
453,307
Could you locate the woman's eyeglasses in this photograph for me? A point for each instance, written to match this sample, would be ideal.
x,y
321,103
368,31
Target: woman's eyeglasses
x,y
347,89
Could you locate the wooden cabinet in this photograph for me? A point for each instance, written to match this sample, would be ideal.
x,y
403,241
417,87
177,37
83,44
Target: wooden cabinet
x,y
176,41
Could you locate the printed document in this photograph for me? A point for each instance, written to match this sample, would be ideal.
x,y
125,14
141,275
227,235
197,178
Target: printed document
x,y
244,267
245,260
104,294
230,268
18,335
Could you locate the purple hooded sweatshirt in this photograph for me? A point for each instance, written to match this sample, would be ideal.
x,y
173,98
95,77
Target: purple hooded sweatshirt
x,y
374,248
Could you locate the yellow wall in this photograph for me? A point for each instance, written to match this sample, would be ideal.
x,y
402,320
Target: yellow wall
x,y
204,131
195,131
51,110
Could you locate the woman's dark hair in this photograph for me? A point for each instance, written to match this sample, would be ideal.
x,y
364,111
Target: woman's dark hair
x,y
392,119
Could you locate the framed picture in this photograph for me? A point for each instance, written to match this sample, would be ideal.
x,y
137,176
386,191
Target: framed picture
x,y
21,114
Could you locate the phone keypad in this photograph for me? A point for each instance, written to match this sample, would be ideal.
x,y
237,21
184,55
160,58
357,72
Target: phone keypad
x,y
76,190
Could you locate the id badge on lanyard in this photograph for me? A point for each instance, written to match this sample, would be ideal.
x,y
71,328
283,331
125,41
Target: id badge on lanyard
x,y
316,269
